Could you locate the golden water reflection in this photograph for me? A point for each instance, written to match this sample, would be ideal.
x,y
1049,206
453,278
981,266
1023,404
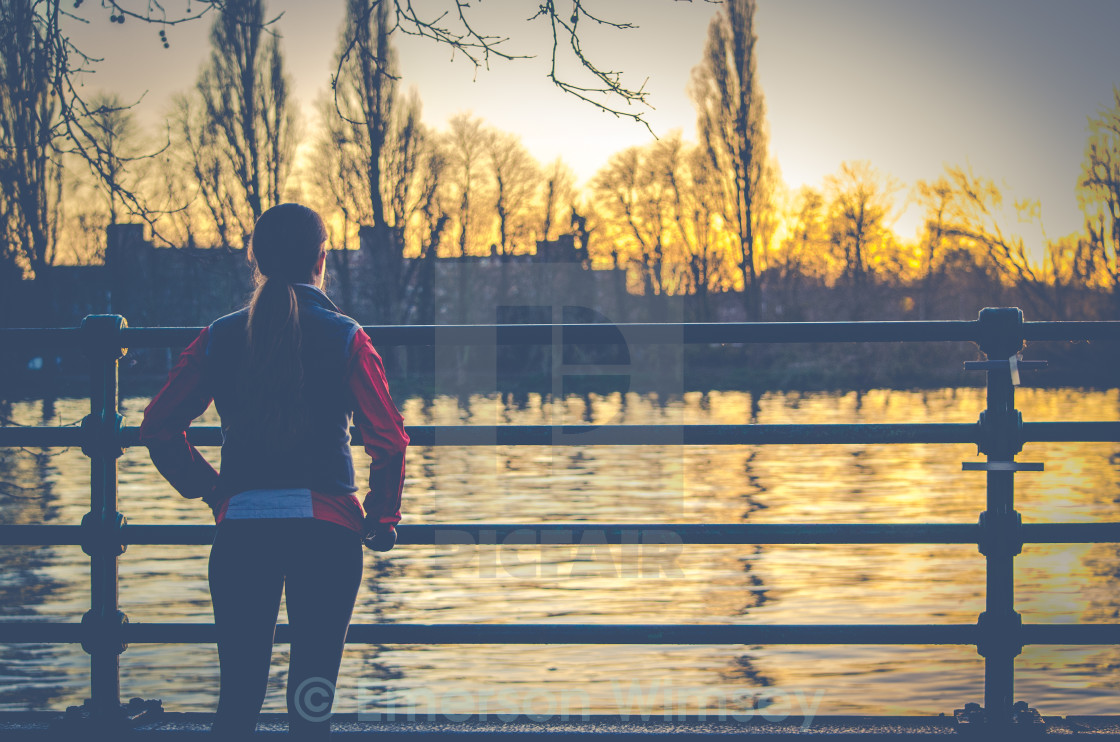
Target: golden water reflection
x,y
595,583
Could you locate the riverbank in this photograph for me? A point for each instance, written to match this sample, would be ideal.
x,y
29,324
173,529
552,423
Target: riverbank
x,y
759,368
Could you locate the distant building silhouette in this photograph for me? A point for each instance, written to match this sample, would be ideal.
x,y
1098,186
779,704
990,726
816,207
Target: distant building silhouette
x,y
190,286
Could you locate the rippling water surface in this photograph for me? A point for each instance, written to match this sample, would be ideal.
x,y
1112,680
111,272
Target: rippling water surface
x,y
595,583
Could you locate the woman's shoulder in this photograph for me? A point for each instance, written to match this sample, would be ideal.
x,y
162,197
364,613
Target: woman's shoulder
x,y
227,329
233,319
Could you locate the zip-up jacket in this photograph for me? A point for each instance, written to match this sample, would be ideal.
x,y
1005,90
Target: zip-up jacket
x,y
343,381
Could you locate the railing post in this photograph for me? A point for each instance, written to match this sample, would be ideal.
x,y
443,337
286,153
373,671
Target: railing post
x,y
102,634
1001,439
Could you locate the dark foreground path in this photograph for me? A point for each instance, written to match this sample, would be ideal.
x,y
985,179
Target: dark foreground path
x,y
193,726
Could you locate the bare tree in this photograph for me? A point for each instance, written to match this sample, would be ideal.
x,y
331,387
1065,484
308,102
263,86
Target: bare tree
x,y
732,127
364,93
377,159
198,149
936,197
243,137
92,198
694,203
558,192
515,176
114,129
636,206
61,64
412,168
976,216
1099,193
30,178
467,185
802,256
861,204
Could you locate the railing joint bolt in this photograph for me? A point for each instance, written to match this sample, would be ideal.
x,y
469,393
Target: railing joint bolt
x,y
101,436
1001,433
1001,331
1001,635
101,336
99,540
1001,534
103,635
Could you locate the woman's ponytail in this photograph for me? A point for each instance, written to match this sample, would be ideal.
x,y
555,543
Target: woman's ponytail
x,y
285,248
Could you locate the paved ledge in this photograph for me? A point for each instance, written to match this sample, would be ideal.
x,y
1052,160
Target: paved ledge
x,y
16,726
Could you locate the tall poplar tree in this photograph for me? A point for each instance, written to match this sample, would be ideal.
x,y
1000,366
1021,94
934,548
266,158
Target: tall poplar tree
x,y
29,159
380,159
732,128
241,135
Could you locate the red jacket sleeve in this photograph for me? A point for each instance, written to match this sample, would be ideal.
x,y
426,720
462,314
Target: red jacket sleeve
x,y
382,429
184,397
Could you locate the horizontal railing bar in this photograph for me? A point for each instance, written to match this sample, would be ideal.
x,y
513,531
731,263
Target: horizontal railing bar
x,y
400,633
690,435
1065,633
559,534
1072,432
676,333
39,338
550,534
1071,533
633,634
198,633
638,435
627,333
40,632
44,535
637,333
40,436
1071,330
546,534
652,435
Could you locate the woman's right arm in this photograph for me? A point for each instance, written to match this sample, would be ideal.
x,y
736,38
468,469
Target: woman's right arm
x,y
185,396
384,437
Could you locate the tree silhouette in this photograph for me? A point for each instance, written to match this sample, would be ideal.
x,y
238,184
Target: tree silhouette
x,y
936,197
732,128
1099,192
977,216
694,203
516,177
861,202
242,136
30,177
559,192
113,126
378,161
635,203
466,184
802,256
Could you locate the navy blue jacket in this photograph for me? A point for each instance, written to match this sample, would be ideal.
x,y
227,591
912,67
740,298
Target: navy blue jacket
x,y
320,458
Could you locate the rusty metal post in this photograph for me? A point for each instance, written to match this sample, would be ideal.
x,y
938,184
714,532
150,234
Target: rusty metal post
x,y
101,527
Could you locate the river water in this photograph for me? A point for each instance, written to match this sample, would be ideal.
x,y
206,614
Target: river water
x,y
595,583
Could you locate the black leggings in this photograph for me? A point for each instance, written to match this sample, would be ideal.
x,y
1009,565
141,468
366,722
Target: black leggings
x,y
318,565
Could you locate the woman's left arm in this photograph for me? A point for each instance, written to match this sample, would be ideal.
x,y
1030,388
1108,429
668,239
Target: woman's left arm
x,y
184,397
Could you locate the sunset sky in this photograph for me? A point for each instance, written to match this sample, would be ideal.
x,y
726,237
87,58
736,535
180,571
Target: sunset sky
x,y
1005,86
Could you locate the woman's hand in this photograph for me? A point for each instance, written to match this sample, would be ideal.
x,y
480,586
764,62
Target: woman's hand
x,y
379,536
213,501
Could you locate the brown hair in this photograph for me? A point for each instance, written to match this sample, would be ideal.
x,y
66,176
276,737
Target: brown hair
x,y
286,244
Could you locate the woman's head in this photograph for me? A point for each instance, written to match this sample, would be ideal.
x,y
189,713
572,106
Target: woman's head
x,y
287,244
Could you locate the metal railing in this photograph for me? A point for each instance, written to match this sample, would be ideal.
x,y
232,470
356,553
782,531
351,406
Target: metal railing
x,y
999,633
